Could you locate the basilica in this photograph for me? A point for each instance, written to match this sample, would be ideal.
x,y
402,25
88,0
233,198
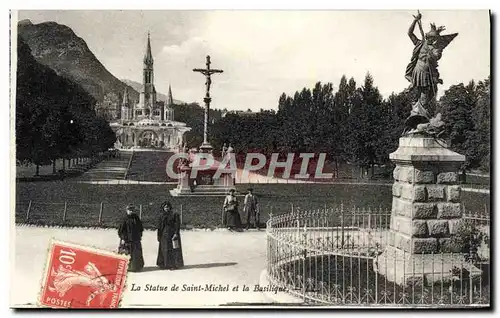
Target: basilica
x,y
148,122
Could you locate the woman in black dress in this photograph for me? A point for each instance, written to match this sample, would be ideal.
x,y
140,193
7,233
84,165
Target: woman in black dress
x,y
130,233
232,216
169,238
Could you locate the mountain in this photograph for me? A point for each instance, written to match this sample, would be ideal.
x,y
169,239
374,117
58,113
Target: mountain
x,y
160,96
58,47
54,115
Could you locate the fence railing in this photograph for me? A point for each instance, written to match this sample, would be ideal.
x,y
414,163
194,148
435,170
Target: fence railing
x,y
108,215
339,257
84,214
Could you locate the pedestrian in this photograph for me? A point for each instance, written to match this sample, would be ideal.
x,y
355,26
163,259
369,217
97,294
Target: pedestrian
x,y
251,209
169,239
224,151
130,233
232,216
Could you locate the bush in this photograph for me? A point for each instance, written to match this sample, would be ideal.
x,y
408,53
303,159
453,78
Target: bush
x,y
469,237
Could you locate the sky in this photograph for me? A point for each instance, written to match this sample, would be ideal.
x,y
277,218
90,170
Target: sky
x,y
266,53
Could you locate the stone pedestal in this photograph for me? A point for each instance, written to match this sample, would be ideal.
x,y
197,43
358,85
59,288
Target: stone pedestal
x,y
226,180
183,184
218,187
206,148
426,210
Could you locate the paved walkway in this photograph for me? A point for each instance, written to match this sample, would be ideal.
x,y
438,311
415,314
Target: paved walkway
x,y
263,181
107,169
478,174
466,189
148,168
211,257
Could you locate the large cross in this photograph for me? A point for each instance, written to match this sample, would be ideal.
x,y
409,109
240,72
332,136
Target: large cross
x,y
208,73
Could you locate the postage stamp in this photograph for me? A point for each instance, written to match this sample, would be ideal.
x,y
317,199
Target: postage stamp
x,y
82,277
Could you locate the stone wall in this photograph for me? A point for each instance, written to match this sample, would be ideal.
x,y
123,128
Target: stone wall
x,y
426,211
426,208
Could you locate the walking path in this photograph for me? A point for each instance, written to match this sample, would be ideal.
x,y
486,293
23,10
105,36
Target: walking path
x,y
252,177
114,170
466,189
224,258
108,169
478,175
263,180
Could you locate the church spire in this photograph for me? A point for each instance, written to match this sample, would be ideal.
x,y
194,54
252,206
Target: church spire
x,y
148,57
125,96
170,100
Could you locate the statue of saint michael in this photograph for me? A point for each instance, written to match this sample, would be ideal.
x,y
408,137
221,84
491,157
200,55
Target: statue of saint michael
x,y
422,71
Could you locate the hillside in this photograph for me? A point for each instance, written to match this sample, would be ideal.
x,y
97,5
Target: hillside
x,y
58,47
54,116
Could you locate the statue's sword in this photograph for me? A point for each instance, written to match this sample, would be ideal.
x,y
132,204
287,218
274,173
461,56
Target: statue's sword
x,y
423,38
420,25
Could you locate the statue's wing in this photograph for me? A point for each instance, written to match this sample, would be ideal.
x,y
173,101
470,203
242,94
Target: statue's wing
x,y
444,40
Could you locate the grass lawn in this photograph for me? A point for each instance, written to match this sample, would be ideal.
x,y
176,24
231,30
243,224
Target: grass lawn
x,y
83,201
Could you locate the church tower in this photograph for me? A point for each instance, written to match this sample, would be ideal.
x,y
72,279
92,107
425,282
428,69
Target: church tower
x,y
126,108
147,99
169,110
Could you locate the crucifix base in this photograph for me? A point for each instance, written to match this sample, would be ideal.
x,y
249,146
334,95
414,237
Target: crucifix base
x,y
206,148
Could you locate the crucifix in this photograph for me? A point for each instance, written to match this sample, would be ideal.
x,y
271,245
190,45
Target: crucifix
x,y
208,73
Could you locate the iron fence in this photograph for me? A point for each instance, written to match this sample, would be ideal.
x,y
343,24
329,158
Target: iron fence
x,y
340,257
101,214
109,215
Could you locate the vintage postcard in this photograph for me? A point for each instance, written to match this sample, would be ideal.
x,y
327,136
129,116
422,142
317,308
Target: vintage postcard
x,y
222,159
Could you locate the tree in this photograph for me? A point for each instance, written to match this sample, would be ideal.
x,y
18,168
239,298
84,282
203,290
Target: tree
x,y
193,115
367,126
353,124
482,122
456,107
54,116
109,108
285,116
397,108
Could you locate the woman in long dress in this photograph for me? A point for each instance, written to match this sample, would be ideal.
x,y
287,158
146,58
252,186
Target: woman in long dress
x,y
130,233
169,238
232,216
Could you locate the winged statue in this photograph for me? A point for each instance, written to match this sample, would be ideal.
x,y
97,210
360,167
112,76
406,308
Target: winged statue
x,y
422,71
